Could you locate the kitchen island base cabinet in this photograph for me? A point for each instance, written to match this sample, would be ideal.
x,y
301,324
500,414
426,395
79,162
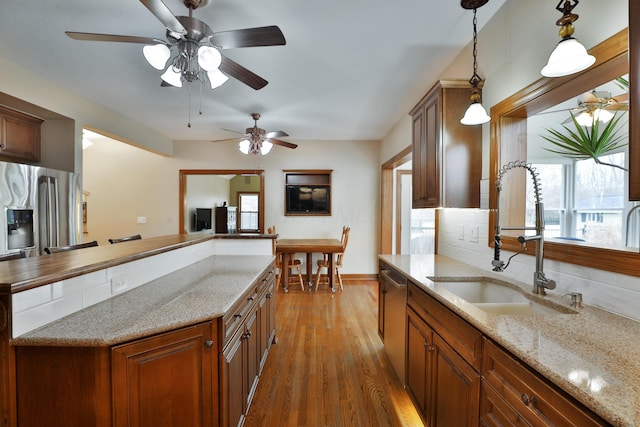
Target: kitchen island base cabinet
x,y
143,383
166,380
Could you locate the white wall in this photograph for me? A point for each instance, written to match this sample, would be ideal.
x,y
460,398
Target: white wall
x,y
204,191
125,182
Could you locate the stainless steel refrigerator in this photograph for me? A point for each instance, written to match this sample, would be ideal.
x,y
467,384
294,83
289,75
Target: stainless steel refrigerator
x,y
40,207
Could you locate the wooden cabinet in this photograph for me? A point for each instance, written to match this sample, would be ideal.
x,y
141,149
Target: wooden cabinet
x,y
166,380
447,156
514,395
19,136
444,387
249,332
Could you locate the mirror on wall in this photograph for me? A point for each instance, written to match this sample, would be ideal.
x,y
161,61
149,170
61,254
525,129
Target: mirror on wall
x,y
586,204
221,201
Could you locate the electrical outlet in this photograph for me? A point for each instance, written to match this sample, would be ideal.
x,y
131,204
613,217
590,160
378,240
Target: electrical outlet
x,y
474,233
119,284
142,220
461,233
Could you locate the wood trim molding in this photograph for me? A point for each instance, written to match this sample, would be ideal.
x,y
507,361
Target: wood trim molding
x,y
509,115
386,199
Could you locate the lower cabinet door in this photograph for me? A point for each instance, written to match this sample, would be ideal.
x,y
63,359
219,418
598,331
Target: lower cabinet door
x,y
232,380
419,366
458,388
166,380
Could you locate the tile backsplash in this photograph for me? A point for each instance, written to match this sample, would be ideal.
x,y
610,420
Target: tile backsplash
x,y
463,235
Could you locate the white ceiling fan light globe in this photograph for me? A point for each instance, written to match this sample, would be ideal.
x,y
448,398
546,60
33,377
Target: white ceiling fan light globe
x,y
209,58
244,146
173,77
569,57
156,55
216,78
266,147
603,115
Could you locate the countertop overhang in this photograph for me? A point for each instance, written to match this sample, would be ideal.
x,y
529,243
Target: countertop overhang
x,y
593,355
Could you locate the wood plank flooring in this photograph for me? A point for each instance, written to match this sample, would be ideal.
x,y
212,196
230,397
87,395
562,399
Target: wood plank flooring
x,y
329,367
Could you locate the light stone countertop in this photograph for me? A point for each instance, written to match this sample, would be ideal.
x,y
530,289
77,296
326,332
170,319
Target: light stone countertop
x,y
202,291
593,355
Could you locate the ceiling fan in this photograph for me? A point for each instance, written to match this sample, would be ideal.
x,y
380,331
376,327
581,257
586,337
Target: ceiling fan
x,y
196,48
257,141
598,105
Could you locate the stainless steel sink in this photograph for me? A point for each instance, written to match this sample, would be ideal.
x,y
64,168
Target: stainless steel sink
x,y
498,298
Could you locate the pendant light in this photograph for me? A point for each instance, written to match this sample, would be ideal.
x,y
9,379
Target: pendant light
x,y
569,56
475,114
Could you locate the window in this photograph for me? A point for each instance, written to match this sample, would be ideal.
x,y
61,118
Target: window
x,y
248,205
583,201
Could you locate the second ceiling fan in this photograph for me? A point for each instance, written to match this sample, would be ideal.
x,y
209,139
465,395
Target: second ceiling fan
x,y
258,141
196,48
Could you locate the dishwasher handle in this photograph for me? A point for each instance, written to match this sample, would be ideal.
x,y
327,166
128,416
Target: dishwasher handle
x,y
389,277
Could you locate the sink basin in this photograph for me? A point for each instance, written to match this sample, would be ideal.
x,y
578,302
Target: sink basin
x,y
497,298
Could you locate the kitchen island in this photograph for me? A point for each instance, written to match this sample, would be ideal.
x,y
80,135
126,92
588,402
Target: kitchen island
x,y
583,355
182,335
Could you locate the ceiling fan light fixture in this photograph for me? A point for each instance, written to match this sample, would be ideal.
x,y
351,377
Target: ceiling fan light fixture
x,y
569,55
173,77
265,147
209,58
157,55
244,146
216,78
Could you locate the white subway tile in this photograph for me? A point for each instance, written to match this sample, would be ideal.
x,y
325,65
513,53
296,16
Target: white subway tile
x,y
31,298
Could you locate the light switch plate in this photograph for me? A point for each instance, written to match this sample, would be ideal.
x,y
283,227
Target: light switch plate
x,y
474,233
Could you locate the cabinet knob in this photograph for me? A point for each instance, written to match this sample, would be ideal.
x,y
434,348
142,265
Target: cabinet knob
x,y
269,295
525,399
208,344
237,316
250,299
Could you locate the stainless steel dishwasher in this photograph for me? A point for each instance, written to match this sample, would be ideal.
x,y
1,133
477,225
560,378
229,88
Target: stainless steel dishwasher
x,y
394,286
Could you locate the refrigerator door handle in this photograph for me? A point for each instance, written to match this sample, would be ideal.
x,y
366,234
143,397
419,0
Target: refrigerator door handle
x,y
53,208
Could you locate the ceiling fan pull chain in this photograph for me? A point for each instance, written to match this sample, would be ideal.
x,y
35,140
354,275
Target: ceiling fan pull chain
x,y
189,97
200,110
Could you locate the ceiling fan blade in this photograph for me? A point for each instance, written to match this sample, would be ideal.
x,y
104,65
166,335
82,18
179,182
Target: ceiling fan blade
x,y
240,73
231,130
225,140
276,134
164,15
283,143
111,38
249,37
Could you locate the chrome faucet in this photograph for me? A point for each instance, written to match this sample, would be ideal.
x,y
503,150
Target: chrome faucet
x,y
540,281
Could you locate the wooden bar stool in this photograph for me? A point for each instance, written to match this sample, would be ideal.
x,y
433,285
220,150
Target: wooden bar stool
x,y
293,264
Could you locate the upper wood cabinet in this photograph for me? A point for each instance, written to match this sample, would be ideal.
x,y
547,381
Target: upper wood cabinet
x,y
447,155
19,136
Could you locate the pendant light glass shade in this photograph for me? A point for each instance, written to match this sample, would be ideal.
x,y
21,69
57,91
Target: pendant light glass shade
x,y
157,55
475,115
216,78
209,58
569,57
172,77
244,145
265,147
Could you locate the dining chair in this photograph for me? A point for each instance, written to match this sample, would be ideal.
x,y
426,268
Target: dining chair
x,y
55,249
324,262
294,263
125,239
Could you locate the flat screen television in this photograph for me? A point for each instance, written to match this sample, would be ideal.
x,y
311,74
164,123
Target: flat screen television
x,y
202,219
308,199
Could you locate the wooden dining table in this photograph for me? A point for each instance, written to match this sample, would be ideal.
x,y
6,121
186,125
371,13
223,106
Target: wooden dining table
x,y
287,247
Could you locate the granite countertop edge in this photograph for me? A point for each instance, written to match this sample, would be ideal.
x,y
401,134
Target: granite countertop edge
x,y
587,354
201,292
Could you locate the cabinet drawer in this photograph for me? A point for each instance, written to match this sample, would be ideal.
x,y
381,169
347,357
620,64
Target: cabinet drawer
x,y
232,320
514,388
265,279
462,337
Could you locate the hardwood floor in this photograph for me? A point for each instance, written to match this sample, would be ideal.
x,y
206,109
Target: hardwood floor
x,y
329,367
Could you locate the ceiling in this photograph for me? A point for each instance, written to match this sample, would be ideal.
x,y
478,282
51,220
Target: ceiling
x,y
349,71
